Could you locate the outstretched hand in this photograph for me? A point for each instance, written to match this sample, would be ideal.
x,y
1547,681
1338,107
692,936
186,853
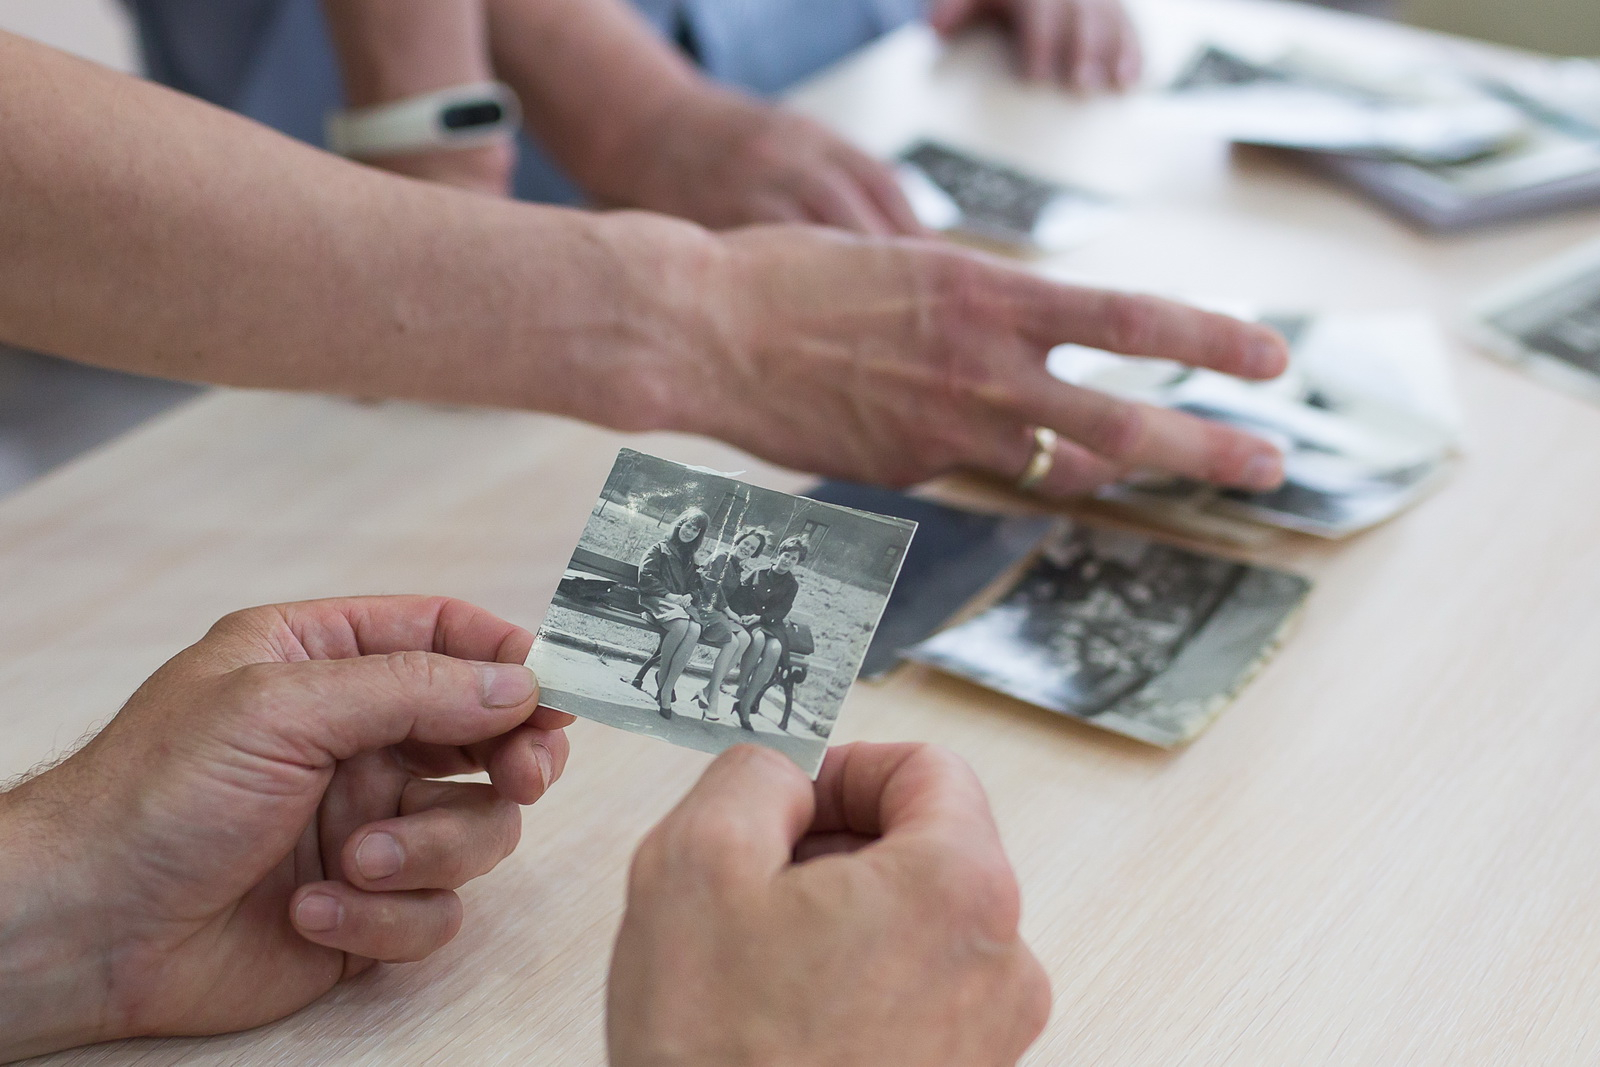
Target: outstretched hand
x,y
893,361
261,819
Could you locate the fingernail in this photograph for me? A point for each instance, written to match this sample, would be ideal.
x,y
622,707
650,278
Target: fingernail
x,y
379,856
1263,471
541,756
505,685
318,913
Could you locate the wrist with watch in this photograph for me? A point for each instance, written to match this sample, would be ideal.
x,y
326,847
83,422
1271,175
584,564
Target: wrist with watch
x,y
461,116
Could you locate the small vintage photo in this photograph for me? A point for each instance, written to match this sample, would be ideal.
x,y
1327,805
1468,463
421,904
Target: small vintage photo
x,y
1128,634
957,192
1549,323
707,612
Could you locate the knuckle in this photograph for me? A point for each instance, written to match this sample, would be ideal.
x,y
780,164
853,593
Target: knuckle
x,y
650,866
261,702
1020,992
761,760
652,403
1229,451
254,687
412,669
1116,429
952,442
508,828
963,288
939,760
416,940
710,838
1037,998
772,145
1132,322
980,898
243,619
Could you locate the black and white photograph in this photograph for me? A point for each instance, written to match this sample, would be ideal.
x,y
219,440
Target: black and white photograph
x,y
1128,634
1548,323
705,611
1337,103
957,192
1366,416
1477,140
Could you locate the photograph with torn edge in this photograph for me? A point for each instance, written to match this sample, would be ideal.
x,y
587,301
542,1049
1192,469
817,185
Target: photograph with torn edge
x,y
707,612
1128,634
1548,322
1366,416
956,192
956,555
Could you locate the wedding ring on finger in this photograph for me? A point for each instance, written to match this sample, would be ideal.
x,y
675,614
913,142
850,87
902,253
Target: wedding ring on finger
x,y
1043,458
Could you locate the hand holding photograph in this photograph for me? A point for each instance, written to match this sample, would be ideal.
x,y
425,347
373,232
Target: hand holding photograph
x,y
1127,634
708,612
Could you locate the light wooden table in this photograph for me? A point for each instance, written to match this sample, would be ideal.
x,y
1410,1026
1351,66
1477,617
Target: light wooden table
x,y
1385,853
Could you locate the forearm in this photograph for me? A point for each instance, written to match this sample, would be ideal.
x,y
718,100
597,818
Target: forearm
x,y
595,80
54,982
147,231
391,49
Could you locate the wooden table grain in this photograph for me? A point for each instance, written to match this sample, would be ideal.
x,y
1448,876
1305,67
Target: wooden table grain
x,y
1384,853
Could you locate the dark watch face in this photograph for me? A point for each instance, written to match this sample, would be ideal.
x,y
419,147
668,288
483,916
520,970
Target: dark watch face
x,y
470,116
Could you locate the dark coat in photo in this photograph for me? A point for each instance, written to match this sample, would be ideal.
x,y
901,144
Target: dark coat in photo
x,y
771,596
668,569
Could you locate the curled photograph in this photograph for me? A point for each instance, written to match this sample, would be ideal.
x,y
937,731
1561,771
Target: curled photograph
x,y
1131,635
707,612
1547,322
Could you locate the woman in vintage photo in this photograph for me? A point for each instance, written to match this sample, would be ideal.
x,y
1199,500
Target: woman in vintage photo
x,y
769,593
668,581
726,601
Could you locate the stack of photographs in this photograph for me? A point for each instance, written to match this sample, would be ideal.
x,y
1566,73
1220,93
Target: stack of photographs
x,y
1366,417
1448,148
1306,101
965,195
1548,322
707,612
1125,633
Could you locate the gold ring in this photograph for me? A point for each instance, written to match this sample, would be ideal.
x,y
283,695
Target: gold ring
x,y
1043,458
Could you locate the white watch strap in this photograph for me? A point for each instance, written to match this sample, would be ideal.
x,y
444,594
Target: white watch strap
x,y
457,117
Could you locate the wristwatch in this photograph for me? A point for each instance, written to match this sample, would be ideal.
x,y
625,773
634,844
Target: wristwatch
x,y
461,116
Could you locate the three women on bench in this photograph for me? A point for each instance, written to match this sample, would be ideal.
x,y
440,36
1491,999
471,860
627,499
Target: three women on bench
x,y
732,605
